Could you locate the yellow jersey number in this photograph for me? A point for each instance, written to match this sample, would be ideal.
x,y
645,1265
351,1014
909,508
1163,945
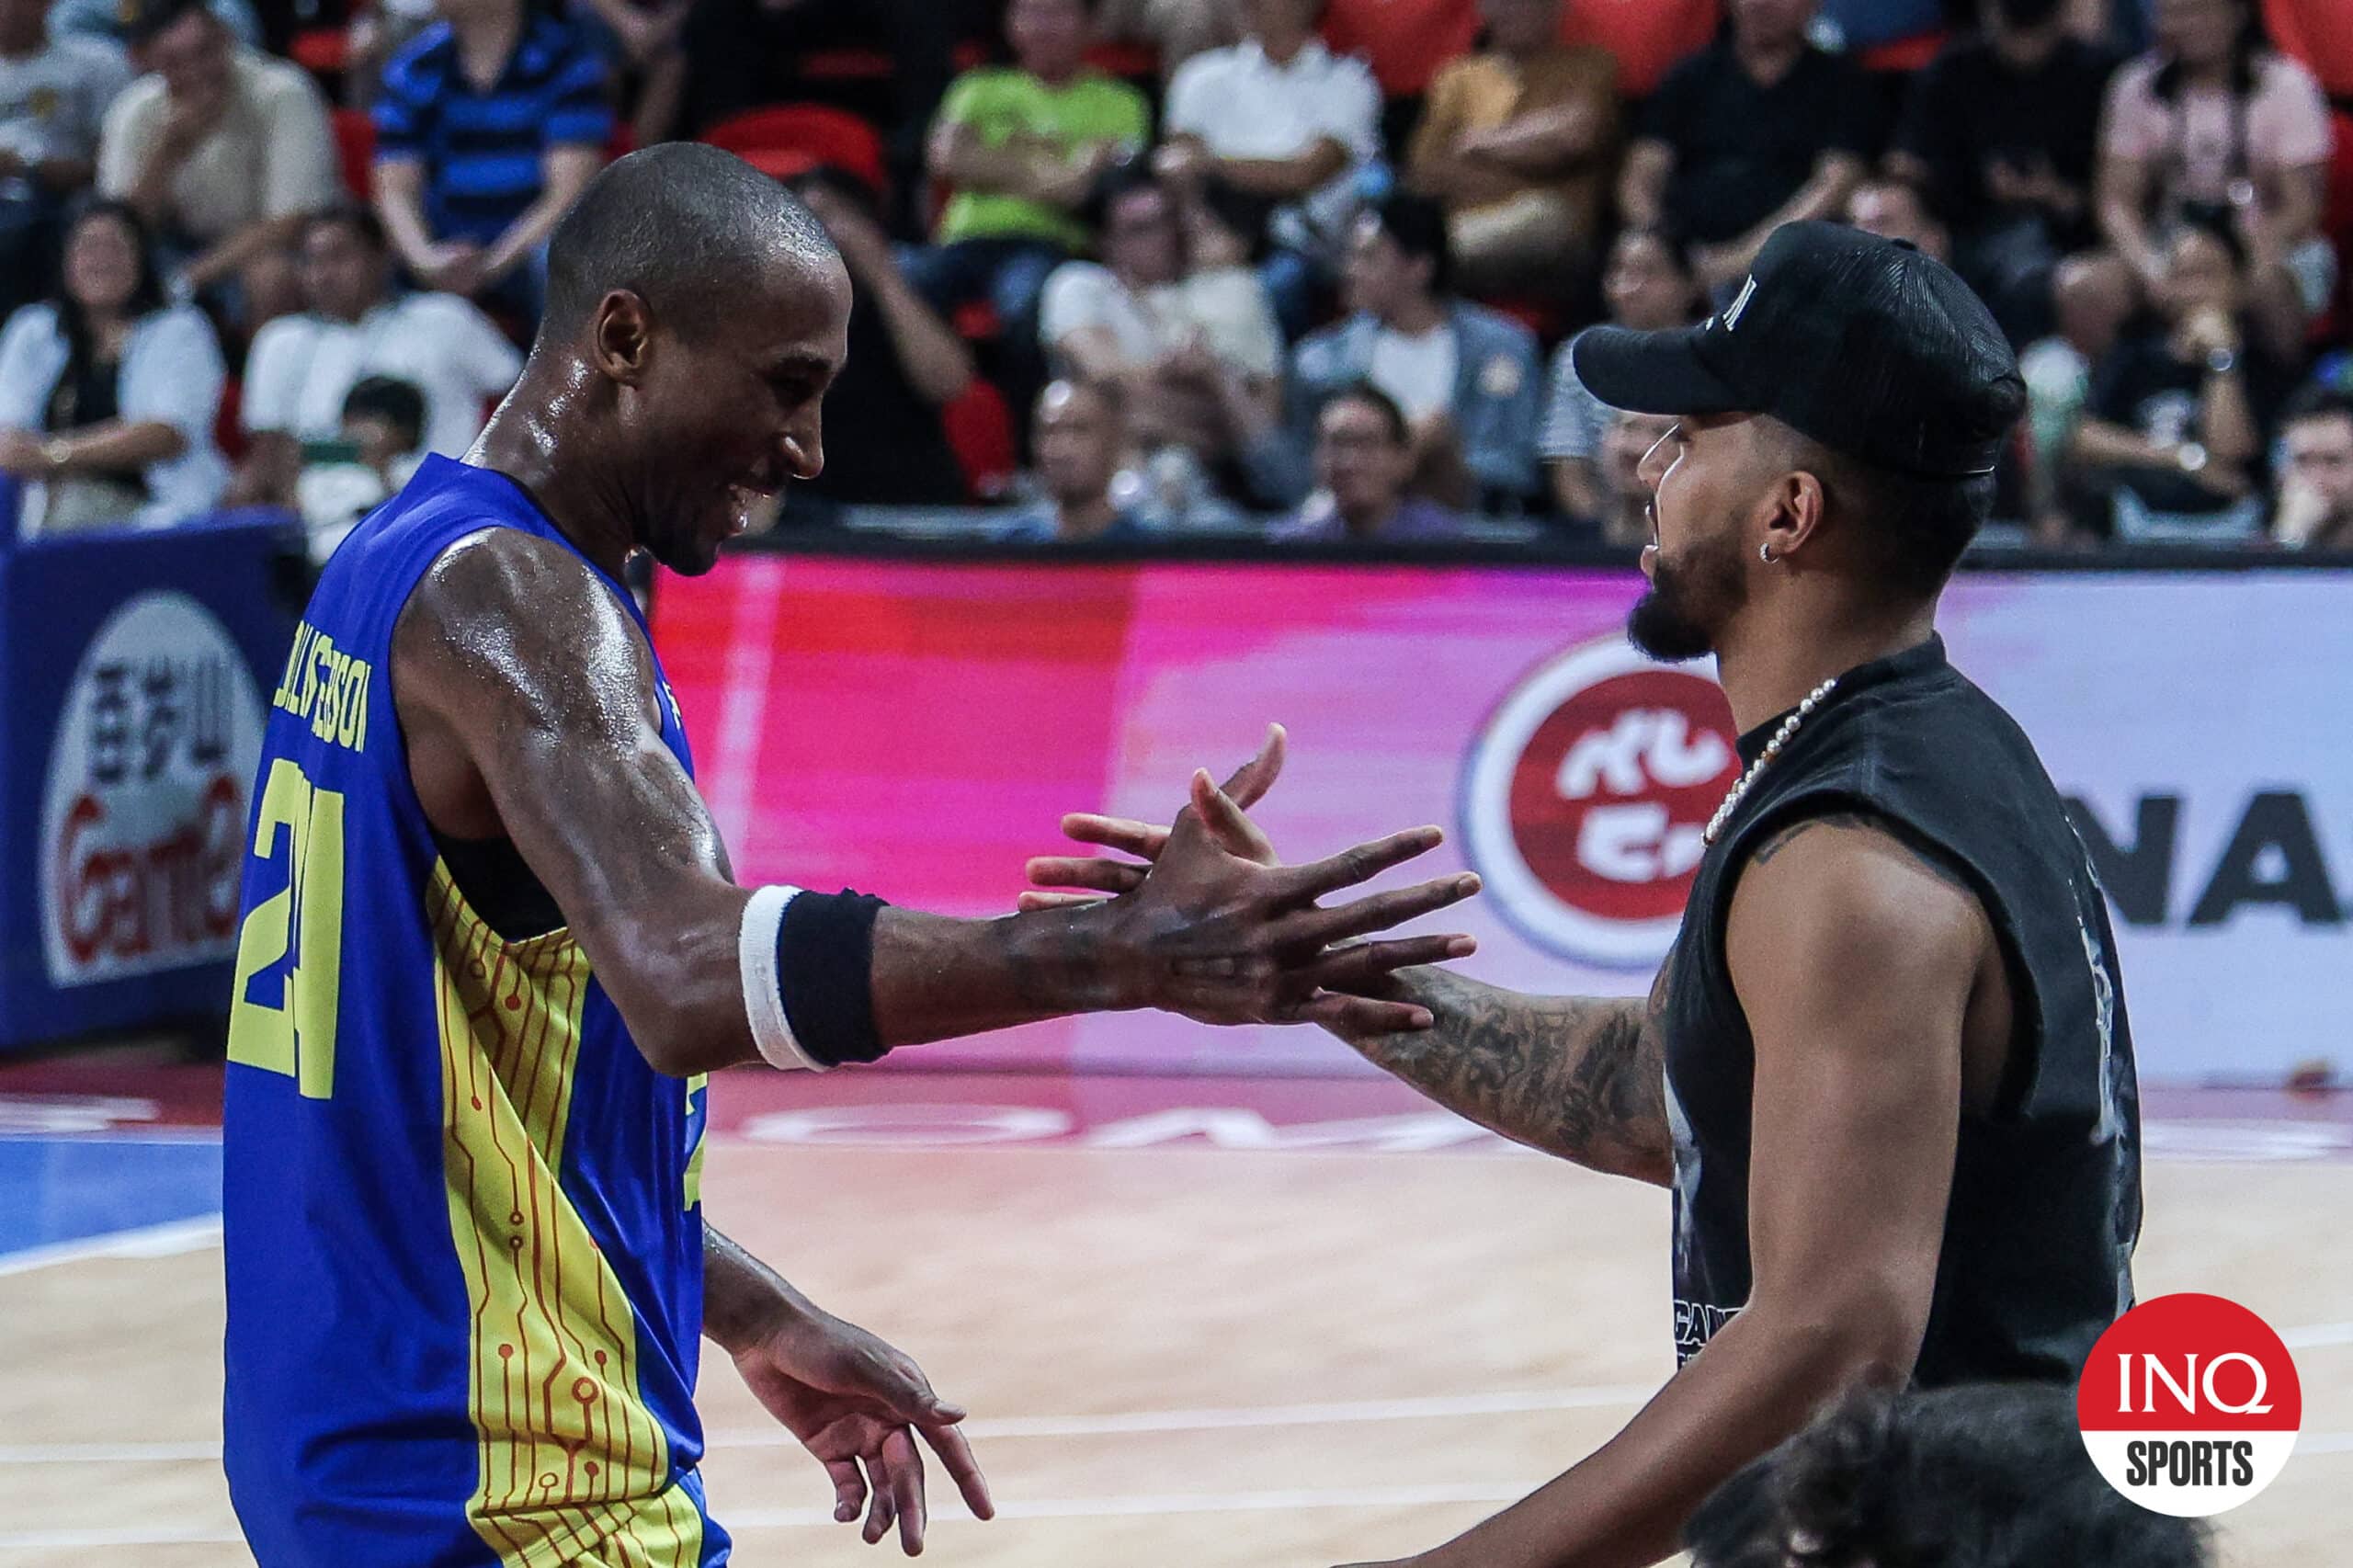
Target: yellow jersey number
x,y
296,1035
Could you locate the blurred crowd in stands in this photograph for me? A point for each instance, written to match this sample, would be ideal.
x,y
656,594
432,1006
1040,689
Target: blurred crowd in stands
x,y
1303,269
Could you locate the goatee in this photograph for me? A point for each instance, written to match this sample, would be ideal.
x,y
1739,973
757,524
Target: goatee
x,y
1688,599
1657,628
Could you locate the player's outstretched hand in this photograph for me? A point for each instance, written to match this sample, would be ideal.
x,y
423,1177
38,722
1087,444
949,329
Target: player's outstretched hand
x,y
854,1400
1222,932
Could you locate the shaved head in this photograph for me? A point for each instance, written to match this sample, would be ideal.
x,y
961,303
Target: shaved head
x,y
696,314
687,228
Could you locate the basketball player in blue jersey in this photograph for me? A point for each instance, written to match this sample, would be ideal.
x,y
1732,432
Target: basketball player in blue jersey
x,y
1886,1071
491,949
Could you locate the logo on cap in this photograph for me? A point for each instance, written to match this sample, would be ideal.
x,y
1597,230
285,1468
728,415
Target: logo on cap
x,y
2190,1405
1732,316
1584,796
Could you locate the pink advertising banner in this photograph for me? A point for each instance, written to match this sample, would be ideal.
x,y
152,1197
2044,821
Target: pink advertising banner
x,y
915,729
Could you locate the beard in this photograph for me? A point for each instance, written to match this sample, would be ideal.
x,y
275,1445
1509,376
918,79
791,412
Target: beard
x,y
1688,599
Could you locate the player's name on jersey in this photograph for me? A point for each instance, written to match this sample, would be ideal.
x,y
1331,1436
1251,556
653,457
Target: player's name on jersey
x,y
326,687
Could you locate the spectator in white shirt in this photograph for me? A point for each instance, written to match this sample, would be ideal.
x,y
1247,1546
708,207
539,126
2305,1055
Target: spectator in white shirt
x,y
1467,378
53,96
1281,117
224,151
352,327
1170,320
108,392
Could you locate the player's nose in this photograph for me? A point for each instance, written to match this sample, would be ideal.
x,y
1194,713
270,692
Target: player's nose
x,y
803,450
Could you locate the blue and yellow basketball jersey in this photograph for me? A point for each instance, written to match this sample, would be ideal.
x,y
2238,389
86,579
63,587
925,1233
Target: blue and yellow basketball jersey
x,y
465,1235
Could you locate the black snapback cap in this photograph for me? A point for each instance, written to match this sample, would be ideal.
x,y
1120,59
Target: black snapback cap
x,y
1860,343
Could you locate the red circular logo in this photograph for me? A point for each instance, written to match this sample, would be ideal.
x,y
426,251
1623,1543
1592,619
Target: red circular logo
x,y
2190,1405
1586,796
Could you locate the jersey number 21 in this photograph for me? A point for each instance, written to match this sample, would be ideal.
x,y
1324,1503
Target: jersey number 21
x,y
295,1034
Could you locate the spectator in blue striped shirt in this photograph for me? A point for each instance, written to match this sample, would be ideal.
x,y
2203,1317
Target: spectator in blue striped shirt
x,y
488,126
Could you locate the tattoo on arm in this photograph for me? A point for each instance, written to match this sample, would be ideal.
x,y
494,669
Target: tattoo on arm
x,y
1935,862
1582,1078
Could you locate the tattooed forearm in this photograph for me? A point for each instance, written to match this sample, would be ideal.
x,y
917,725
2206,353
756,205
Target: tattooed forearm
x,y
1583,1078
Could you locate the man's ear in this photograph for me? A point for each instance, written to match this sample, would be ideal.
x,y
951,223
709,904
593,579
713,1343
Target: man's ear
x,y
622,337
1798,501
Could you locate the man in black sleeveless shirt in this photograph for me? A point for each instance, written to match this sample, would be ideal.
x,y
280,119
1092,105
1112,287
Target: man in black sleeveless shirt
x,y
1886,1071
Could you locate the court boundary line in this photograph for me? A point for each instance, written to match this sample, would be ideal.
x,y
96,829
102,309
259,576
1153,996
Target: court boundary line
x,y
1584,1396
1429,1407
170,1239
951,1510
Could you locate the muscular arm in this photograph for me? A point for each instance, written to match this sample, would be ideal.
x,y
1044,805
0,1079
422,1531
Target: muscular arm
x,y
1582,1078
741,1295
526,698
1855,962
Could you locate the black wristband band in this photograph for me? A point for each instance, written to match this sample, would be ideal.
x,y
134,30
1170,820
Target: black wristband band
x,y
825,965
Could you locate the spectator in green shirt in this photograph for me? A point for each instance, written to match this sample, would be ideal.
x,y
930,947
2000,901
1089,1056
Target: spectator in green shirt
x,y
1022,149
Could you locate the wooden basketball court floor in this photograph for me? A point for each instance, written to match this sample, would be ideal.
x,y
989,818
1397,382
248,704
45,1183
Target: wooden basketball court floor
x,y
1197,1323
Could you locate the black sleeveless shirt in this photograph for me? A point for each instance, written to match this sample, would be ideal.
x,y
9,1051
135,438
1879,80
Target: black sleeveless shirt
x,y
2046,1193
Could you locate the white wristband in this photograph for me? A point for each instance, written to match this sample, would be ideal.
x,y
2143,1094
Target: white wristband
x,y
762,993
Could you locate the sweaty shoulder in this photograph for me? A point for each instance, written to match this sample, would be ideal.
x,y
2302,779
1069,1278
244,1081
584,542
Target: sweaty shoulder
x,y
509,645
507,624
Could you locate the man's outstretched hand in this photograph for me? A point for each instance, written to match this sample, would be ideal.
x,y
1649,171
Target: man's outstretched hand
x,y
1238,937
854,1400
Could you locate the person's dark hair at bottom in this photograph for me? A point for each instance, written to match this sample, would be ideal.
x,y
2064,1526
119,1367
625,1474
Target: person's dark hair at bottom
x,y
1373,397
2026,13
397,403
1992,1475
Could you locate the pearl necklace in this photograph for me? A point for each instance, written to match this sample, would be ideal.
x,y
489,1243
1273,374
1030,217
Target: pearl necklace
x,y
1789,727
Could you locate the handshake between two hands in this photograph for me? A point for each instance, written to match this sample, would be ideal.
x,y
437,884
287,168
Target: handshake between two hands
x,y
1207,921
1204,921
